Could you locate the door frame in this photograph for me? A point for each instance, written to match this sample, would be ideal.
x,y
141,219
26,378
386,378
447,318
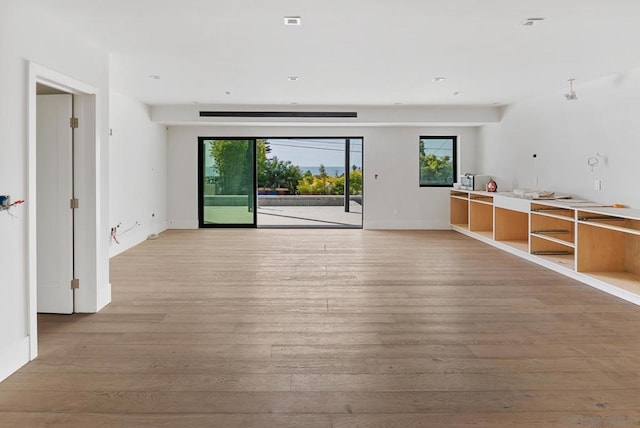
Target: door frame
x,y
347,166
89,298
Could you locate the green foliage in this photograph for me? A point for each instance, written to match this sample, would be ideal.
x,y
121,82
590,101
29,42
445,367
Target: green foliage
x,y
323,184
262,148
274,173
434,169
355,181
233,160
316,185
280,174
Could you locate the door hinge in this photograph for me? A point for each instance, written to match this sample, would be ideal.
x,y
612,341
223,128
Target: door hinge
x,y
74,203
73,122
75,283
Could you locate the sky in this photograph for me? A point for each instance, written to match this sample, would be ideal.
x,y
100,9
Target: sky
x,y
315,151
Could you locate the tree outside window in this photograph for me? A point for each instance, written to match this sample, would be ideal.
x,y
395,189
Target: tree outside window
x,y
438,161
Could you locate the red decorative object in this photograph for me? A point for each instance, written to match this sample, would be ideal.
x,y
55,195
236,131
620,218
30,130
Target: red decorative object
x,y
492,186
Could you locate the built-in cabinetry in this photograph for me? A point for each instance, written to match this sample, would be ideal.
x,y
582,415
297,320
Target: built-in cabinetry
x,y
599,246
481,214
609,242
552,233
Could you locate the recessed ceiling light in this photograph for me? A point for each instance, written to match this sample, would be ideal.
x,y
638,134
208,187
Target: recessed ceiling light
x,y
438,79
154,77
293,78
292,20
529,22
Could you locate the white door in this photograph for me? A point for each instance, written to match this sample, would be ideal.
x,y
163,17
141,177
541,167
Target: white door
x,y
54,172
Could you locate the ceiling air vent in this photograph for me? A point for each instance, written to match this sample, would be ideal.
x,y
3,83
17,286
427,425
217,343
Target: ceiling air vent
x,y
282,114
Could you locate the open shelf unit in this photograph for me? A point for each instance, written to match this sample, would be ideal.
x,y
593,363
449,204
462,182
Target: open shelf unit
x,y
597,245
481,214
511,223
609,242
460,209
552,231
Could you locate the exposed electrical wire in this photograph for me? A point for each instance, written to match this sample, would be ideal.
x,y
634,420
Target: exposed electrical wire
x,y
136,224
115,234
312,148
114,237
7,206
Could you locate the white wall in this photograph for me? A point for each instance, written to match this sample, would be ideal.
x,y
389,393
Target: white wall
x,y
26,35
564,135
393,201
138,173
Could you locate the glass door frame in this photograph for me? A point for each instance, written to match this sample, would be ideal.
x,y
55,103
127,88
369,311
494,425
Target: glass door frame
x,y
253,197
348,158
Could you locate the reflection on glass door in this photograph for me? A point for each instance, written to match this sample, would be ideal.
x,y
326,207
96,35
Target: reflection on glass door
x,y
227,183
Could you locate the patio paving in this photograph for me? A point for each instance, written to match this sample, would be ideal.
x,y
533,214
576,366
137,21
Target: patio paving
x,y
310,216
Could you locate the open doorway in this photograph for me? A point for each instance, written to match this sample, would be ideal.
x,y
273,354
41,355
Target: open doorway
x,y
310,182
84,169
280,182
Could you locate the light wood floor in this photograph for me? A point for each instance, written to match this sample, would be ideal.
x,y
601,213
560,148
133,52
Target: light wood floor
x,y
341,329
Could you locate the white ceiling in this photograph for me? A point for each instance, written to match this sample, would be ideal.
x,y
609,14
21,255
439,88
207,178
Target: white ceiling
x,y
355,52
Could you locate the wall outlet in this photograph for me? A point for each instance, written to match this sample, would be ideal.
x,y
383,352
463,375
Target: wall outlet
x,y
597,185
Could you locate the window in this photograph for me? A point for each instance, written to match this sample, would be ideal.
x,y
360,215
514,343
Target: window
x,y
437,161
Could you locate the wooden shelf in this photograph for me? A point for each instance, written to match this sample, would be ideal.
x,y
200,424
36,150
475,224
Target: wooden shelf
x,y
486,233
603,249
459,194
612,222
481,217
597,245
544,244
551,227
511,225
481,197
518,245
625,280
567,261
552,239
459,213
553,211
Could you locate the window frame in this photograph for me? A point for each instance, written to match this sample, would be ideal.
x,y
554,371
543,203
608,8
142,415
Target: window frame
x,y
454,158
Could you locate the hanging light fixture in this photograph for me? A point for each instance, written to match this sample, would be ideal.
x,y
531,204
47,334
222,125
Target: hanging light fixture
x,y
571,95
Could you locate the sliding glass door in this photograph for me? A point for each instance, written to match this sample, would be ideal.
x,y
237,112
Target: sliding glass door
x,y
227,182
310,182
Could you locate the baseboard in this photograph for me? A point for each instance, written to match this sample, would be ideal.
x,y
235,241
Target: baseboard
x,y
406,225
183,224
570,272
13,357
